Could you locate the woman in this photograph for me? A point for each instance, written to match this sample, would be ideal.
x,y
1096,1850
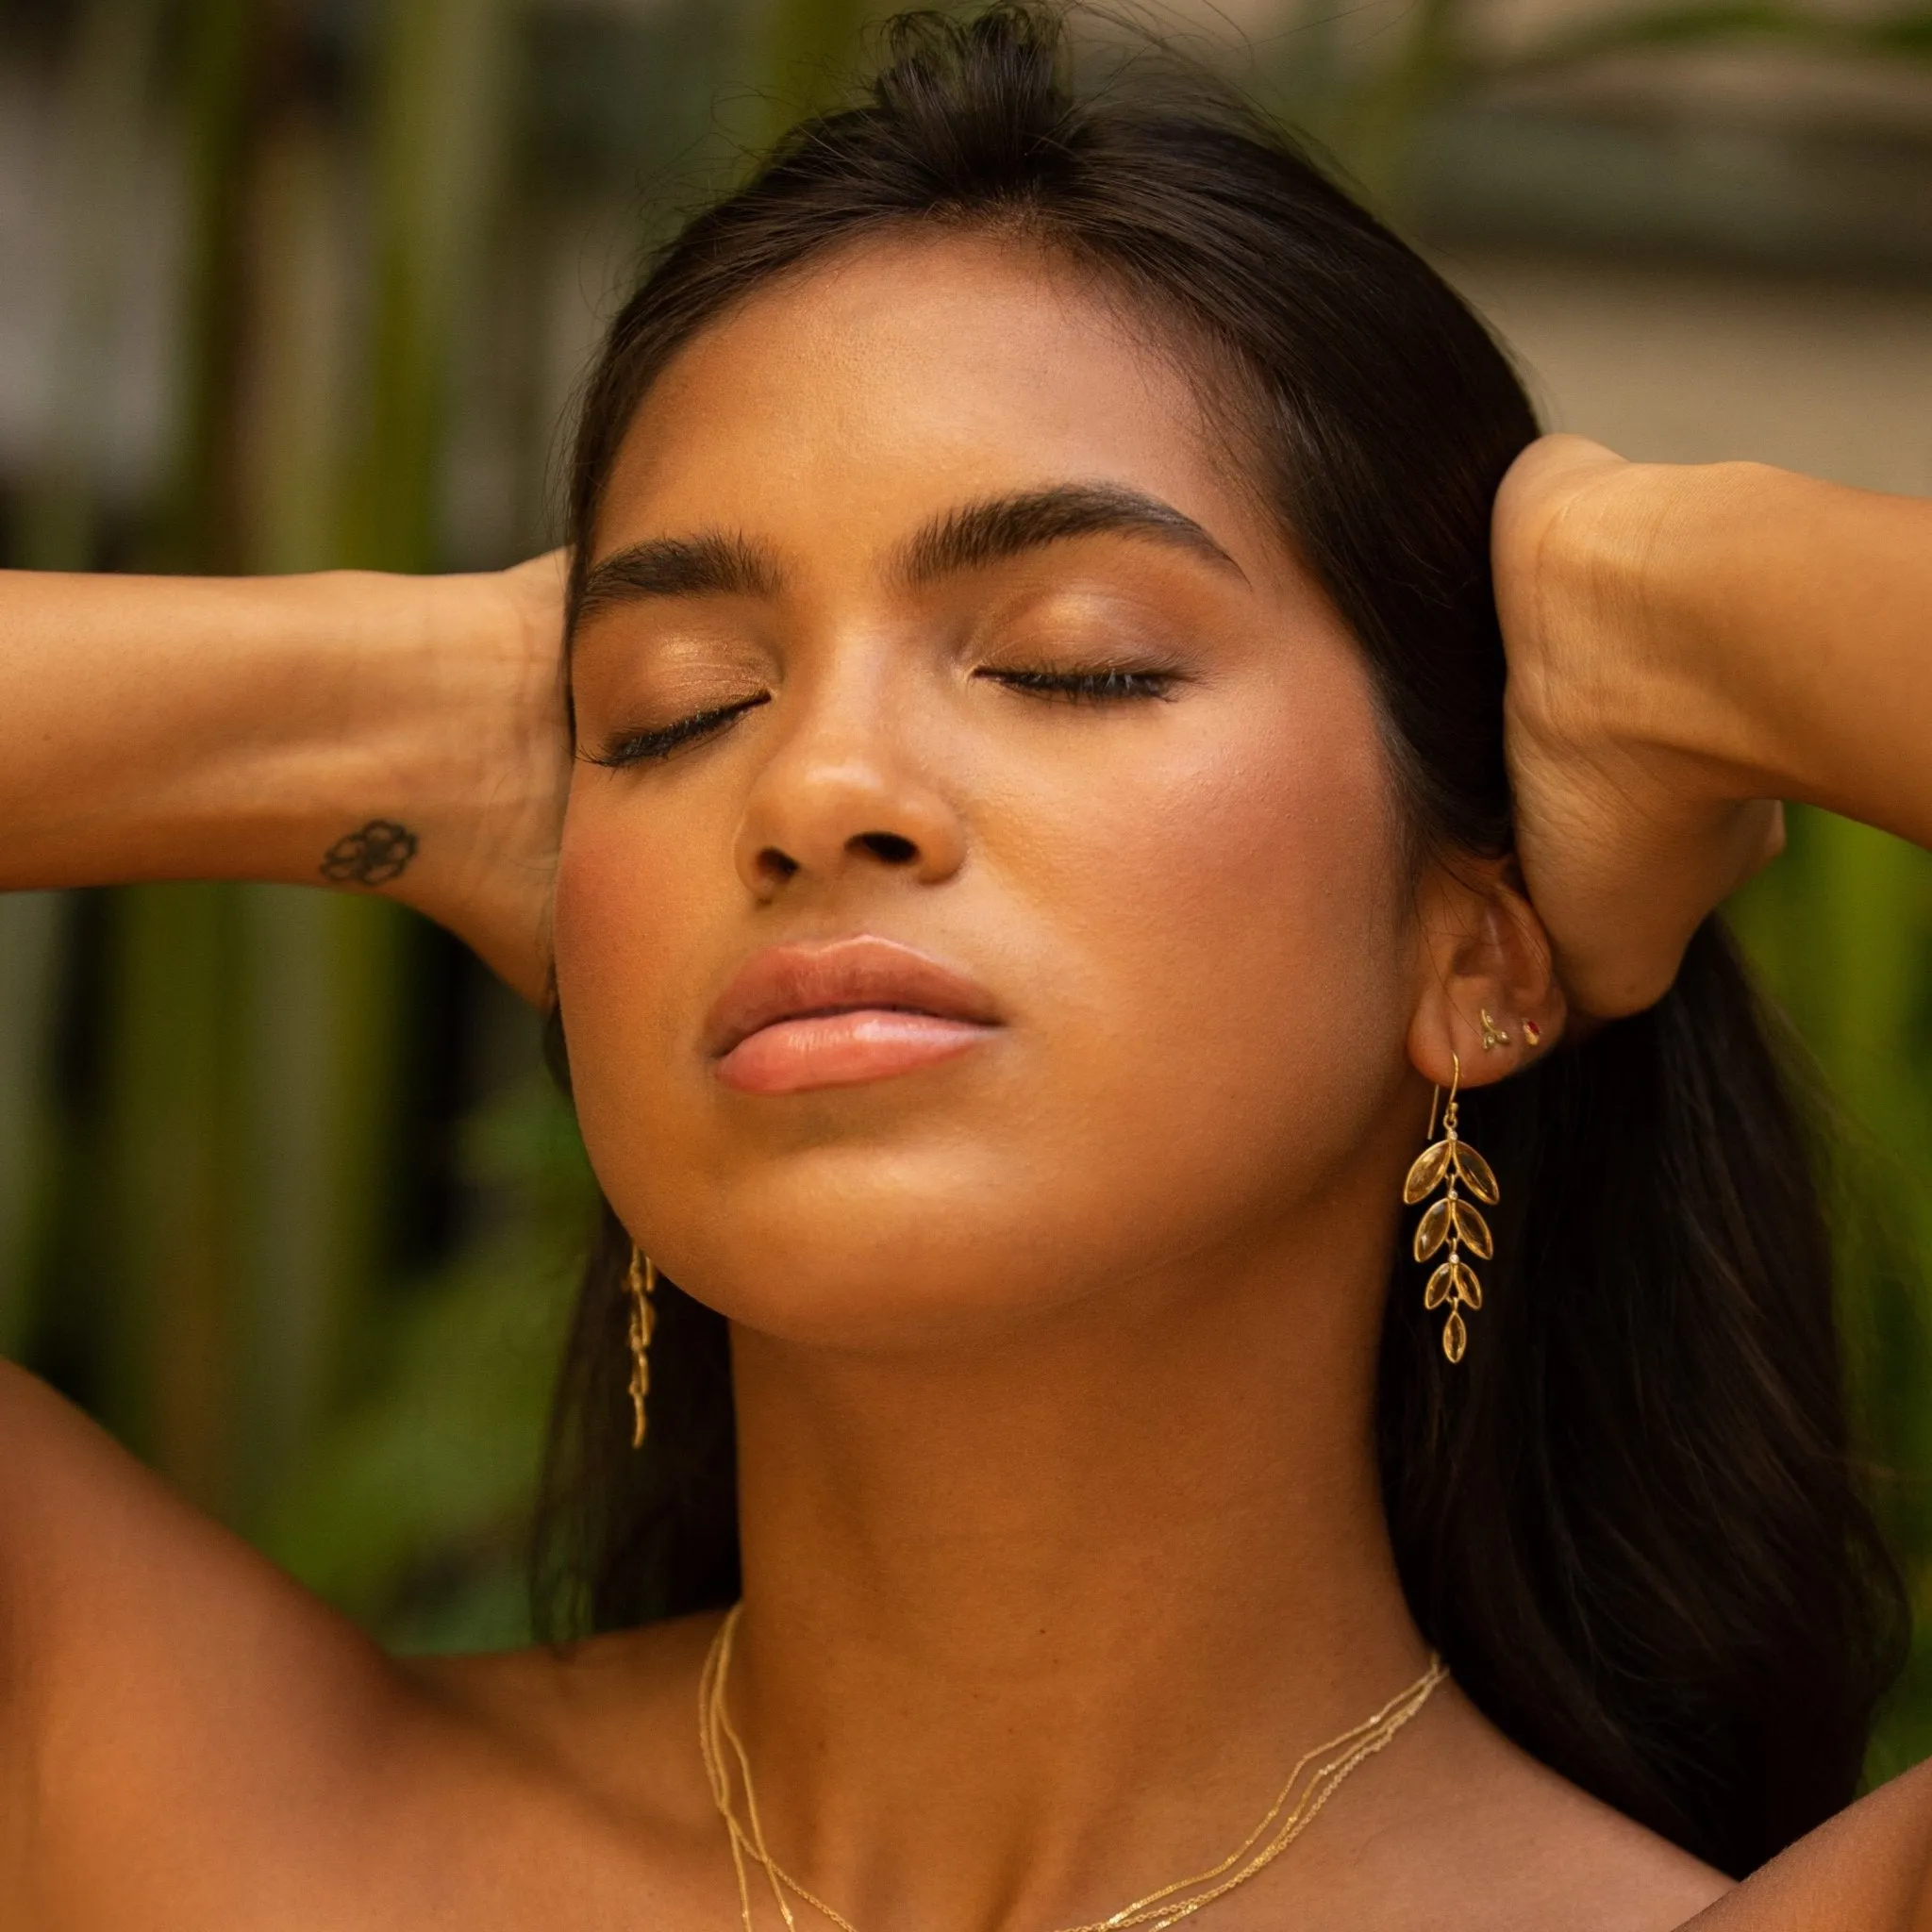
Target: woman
x,y
1037,830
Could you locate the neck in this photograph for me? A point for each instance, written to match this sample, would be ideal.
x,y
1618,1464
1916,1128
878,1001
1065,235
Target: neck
x,y
1035,1625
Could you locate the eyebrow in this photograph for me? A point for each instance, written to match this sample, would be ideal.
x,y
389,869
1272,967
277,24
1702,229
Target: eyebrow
x,y
965,538
712,565
1004,526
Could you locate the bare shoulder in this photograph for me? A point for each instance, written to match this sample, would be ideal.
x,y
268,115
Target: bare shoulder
x,y
108,1574
189,1739
612,1718
1576,1865
1867,1869
1586,1867
156,1676
1472,1834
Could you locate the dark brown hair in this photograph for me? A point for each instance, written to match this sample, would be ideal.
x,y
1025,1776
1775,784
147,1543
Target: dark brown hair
x,y
1628,1519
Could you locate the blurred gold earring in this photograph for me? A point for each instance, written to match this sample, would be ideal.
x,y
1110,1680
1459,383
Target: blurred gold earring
x,y
1452,1219
1493,1035
641,1280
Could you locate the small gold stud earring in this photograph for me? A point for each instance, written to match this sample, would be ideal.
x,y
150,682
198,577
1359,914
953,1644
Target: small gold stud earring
x,y
640,1280
1493,1035
1533,1033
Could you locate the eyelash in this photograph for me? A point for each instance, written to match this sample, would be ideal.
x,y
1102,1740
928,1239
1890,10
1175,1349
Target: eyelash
x,y
640,746
1069,687
1086,686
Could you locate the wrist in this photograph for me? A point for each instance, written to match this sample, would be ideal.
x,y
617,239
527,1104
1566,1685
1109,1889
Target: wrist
x,y
474,763
328,755
395,731
1636,577
362,759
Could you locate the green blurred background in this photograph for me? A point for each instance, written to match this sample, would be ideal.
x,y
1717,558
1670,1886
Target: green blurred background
x,y
284,1197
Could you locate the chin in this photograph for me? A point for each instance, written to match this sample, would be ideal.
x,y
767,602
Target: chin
x,y
865,1259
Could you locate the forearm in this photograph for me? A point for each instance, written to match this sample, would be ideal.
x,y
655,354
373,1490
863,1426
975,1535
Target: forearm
x,y
184,728
1781,630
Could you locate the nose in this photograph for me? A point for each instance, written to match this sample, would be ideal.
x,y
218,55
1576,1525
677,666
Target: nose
x,y
843,796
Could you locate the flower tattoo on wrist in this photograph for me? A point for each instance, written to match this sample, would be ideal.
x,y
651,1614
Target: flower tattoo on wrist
x,y
380,852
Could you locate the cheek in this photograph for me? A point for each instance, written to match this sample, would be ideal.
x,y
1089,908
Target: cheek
x,y
631,894
1238,927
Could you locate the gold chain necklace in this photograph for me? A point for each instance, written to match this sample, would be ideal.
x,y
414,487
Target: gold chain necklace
x,y
1327,1766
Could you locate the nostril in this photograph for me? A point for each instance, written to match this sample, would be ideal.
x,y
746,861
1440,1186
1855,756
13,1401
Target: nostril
x,y
889,847
777,866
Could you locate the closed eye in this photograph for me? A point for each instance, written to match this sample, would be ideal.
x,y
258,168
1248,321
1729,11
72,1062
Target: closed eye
x,y
637,747
1098,687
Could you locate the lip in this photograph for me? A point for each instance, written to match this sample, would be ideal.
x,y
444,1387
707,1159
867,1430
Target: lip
x,y
841,1013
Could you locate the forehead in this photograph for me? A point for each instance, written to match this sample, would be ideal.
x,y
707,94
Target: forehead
x,y
848,402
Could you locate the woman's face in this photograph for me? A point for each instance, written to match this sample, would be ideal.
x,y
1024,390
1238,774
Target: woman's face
x,y
983,885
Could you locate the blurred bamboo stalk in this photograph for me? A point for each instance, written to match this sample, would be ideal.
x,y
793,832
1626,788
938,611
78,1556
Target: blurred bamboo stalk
x,y
104,130
171,1138
32,1136
322,977
441,119
167,1182
318,1034
227,64
1375,124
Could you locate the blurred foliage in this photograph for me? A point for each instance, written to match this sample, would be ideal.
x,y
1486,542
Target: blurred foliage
x,y
409,1512
1841,928
284,1197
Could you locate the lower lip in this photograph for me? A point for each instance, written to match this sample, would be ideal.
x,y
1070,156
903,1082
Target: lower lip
x,y
843,1050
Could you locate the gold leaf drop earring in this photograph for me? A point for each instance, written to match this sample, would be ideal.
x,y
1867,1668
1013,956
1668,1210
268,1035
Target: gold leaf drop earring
x,y
1452,1219
640,1280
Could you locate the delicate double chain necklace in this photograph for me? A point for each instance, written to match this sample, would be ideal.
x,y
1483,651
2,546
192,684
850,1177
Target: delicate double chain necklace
x,y
1327,1766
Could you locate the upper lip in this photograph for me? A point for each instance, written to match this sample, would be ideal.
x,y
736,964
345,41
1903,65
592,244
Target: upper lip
x,y
840,976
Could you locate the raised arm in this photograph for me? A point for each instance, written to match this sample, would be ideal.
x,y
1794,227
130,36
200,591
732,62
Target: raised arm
x,y
393,734
1686,646
170,1703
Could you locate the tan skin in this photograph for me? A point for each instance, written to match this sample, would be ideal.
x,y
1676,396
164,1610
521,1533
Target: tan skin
x,y
1054,1358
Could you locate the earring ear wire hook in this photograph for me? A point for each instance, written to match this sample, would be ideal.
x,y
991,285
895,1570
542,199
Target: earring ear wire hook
x,y
1435,1093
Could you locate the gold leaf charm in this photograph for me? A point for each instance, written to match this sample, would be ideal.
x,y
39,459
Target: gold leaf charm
x,y
1427,1172
1453,1282
1475,1170
1453,1220
1472,1228
1433,1230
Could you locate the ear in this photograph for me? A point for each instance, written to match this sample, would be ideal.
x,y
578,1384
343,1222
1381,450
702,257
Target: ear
x,y
1483,951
